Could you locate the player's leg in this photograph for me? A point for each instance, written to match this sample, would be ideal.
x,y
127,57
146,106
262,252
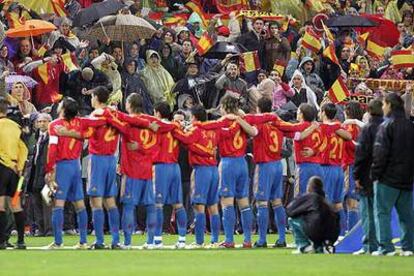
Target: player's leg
x,y
242,196
337,195
3,219
228,172
129,201
160,179
262,179
200,185
75,195
214,223
200,223
146,198
212,203
176,193
57,222
351,198
276,193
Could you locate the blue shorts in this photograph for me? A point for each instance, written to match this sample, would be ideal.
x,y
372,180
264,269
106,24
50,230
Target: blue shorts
x,y
137,191
333,183
69,180
167,179
349,183
268,179
304,171
102,176
234,177
204,185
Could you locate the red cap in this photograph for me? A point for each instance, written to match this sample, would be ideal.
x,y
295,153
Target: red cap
x,y
223,31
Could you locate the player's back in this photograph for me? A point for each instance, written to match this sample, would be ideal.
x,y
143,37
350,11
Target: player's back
x,y
349,150
204,150
67,148
232,140
168,145
313,141
267,145
332,149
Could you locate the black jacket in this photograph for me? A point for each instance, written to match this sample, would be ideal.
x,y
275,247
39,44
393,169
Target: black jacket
x,y
363,154
252,43
37,174
321,223
393,157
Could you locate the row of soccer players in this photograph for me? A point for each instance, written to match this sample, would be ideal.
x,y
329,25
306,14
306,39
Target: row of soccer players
x,y
151,174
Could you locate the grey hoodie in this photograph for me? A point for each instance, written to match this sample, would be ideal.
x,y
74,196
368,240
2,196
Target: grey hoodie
x,y
312,79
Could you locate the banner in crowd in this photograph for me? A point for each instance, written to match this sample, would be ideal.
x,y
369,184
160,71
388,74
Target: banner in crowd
x,y
283,20
375,84
227,6
361,98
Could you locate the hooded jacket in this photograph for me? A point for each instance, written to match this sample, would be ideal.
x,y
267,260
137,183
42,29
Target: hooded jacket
x,y
310,95
312,79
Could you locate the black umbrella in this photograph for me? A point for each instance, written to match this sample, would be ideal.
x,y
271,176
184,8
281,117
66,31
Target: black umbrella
x,y
97,11
350,21
221,49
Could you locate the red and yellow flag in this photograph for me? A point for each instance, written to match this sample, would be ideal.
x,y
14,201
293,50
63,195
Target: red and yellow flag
x,y
402,59
227,6
204,44
69,64
330,53
249,62
43,72
59,7
328,33
362,38
279,67
311,41
195,7
338,91
374,49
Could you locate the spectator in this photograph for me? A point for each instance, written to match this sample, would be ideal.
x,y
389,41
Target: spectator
x,y
133,54
281,91
253,40
312,79
277,48
169,62
5,63
303,94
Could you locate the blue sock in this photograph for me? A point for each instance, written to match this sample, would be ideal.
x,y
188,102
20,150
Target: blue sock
x,y
229,219
151,222
181,216
200,225
263,222
57,224
353,217
128,222
342,222
280,219
159,215
113,214
247,220
98,224
82,219
215,227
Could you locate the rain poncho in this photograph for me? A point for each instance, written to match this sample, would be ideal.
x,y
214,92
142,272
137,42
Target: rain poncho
x,y
310,95
158,81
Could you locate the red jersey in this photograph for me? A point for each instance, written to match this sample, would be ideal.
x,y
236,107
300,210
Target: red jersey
x,y
168,144
63,148
232,139
313,141
267,145
202,144
332,148
349,151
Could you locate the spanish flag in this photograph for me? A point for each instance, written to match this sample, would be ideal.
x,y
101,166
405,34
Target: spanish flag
x,y
362,38
227,6
42,51
329,53
195,7
204,44
328,33
311,41
59,7
249,62
374,49
69,64
43,72
402,59
279,67
338,91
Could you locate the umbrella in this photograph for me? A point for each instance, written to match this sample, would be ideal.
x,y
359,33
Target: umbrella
x,y
96,11
28,81
386,30
122,27
350,21
221,49
31,28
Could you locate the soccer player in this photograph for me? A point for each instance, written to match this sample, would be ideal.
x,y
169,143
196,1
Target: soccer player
x,y
137,148
267,147
233,172
332,150
202,145
13,156
167,179
63,165
353,111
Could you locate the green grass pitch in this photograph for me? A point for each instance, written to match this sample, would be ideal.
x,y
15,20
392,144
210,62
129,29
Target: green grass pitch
x,y
192,262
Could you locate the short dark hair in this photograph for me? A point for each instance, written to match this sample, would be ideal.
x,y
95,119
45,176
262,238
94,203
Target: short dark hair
x,y
395,101
102,93
70,108
4,105
308,111
164,109
257,19
199,112
264,104
315,184
330,110
230,104
136,103
354,110
375,108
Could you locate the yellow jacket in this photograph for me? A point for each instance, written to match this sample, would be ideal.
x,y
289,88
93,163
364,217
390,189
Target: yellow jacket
x,y
13,151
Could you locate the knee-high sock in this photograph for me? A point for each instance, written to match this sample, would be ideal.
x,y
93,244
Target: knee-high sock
x,y
215,227
342,221
280,219
128,222
19,220
229,219
247,219
57,224
200,226
82,219
3,224
158,225
181,216
113,214
353,217
263,222
151,222
98,224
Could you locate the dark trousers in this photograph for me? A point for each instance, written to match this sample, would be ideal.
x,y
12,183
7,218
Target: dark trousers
x,y
42,214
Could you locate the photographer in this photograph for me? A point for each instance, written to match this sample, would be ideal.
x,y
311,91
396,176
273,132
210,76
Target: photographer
x,y
13,155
